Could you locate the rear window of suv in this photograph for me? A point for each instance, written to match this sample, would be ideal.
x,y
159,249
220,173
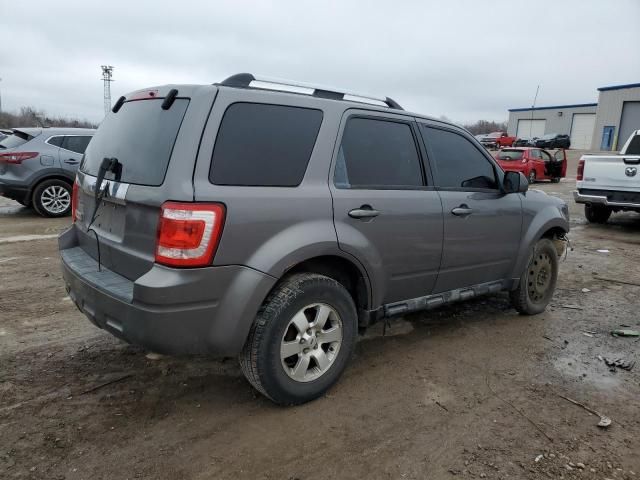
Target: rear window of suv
x,y
15,140
141,136
264,145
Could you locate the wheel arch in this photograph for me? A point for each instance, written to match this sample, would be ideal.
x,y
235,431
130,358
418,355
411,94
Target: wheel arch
x,y
345,271
44,178
546,224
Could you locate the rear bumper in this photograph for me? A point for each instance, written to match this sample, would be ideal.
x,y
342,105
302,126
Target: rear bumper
x,y
174,311
19,193
609,200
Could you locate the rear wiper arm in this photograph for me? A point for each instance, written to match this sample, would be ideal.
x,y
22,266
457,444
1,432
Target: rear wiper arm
x,y
112,165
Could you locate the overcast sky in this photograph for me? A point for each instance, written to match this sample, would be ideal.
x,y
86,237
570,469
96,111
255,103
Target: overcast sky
x,y
464,59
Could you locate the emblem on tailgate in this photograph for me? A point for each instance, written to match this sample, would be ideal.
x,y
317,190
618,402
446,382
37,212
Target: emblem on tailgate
x,y
630,171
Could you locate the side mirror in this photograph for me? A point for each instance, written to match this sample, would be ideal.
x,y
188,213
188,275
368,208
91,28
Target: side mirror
x,y
515,182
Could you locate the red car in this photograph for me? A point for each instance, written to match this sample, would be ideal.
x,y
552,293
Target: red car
x,y
535,163
497,140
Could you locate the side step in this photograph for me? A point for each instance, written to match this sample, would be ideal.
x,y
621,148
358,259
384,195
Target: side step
x,y
429,302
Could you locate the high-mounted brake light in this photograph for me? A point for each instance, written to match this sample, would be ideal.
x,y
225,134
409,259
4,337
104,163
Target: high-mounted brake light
x,y
189,233
74,201
17,158
580,173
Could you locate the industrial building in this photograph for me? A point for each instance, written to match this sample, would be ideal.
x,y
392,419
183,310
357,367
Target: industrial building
x,y
605,125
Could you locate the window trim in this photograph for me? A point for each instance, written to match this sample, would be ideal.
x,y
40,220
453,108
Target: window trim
x,y
219,127
63,139
411,123
473,141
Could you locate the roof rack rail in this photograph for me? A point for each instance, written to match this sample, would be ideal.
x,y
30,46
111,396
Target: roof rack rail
x,y
245,80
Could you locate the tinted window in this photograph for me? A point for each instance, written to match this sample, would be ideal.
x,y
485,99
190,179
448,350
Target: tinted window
x,y
458,162
141,136
267,145
508,155
634,146
15,140
55,141
76,144
377,153
535,154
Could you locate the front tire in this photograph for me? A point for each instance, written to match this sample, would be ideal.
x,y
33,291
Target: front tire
x,y
52,198
532,177
597,213
301,340
538,282
555,180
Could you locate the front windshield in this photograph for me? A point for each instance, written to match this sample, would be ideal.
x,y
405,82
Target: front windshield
x,y
510,155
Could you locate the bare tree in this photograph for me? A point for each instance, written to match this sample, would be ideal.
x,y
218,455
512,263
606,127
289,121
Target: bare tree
x,y
31,117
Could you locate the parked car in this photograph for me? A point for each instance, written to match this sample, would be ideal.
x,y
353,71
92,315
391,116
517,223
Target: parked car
x,y
3,136
232,220
497,140
38,167
525,142
534,163
553,140
610,183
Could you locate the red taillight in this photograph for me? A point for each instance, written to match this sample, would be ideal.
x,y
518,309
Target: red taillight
x,y
580,170
17,157
74,201
188,233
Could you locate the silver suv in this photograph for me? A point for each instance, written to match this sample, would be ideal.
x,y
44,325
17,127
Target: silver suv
x,y
274,221
38,166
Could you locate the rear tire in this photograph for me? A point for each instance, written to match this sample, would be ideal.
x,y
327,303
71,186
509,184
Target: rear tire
x,y
301,340
555,180
52,198
532,177
538,281
597,213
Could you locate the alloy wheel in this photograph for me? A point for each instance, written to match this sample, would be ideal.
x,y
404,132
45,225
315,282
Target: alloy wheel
x,y
55,199
311,342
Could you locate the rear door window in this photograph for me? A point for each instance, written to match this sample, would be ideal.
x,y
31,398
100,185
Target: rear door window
x,y
264,145
76,144
141,136
377,153
56,141
459,164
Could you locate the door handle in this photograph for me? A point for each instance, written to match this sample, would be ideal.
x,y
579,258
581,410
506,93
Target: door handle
x,y
71,161
462,211
365,211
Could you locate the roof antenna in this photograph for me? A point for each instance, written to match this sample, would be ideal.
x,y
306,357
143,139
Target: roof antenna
x,y
532,107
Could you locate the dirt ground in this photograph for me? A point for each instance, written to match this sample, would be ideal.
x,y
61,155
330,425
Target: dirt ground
x,y
468,391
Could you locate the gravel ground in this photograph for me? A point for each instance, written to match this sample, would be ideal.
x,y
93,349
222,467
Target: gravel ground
x,y
470,391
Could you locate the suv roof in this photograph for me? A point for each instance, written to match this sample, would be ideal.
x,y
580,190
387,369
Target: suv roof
x,y
356,100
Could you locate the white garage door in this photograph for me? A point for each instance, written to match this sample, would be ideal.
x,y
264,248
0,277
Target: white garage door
x,y
530,128
582,130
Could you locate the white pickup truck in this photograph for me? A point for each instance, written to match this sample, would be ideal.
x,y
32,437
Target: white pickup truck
x,y
610,183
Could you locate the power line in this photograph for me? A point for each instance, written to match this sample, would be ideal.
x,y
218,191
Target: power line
x,y
107,74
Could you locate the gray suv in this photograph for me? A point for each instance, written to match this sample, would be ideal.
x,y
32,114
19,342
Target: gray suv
x,y
274,221
38,166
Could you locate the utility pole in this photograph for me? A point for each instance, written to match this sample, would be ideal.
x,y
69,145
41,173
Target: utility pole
x,y
532,107
107,74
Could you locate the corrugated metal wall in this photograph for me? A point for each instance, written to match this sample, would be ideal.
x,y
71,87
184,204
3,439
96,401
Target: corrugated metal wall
x,y
555,123
610,112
